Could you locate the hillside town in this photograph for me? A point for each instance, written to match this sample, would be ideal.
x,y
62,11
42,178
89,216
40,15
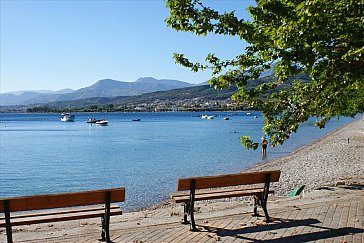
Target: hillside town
x,y
195,104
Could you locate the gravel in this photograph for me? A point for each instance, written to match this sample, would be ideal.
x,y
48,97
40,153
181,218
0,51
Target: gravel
x,y
323,162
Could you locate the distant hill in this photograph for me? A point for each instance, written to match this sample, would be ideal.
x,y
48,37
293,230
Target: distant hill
x,y
112,88
203,92
143,90
25,98
42,91
103,88
158,83
28,97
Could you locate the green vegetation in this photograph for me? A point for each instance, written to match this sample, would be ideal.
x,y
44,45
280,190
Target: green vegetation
x,y
185,99
197,98
322,38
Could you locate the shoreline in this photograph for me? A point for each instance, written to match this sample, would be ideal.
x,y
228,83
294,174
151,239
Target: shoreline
x,y
332,147
336,156
298,150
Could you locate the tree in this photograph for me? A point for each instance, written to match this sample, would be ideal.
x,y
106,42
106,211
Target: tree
x,y
321,38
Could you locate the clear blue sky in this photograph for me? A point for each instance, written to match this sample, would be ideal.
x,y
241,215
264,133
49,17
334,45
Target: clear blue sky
x,y
73,44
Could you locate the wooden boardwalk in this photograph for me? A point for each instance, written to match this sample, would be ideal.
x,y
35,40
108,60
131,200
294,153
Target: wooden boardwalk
x,y
337,218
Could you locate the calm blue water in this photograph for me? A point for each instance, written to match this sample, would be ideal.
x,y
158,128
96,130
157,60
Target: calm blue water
x,y
40,154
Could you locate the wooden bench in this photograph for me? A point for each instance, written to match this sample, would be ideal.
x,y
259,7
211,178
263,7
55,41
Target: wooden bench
x,y
80,201
260,192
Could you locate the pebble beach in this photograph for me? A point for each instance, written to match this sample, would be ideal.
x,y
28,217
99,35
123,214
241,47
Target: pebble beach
x,y
334,157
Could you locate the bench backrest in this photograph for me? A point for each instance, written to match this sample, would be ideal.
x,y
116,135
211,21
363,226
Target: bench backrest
x,y
62,200
228,180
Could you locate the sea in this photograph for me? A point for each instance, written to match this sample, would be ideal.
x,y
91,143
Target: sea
x,y
39,154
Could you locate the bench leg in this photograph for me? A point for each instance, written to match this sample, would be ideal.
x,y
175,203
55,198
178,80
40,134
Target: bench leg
x,y
193,224
105,236
9,235
264,206
265,196
186,212
256,204
259,201
192,205
188,208
105,233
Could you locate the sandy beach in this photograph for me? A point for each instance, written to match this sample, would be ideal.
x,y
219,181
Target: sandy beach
x,y
336,159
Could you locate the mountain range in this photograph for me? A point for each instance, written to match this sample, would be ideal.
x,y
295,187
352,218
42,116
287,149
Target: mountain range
x,y
102,88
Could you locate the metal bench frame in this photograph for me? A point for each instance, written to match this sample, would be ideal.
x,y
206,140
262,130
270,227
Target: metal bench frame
x,y
105,218
260,200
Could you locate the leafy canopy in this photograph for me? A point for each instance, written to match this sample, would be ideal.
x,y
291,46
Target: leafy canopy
x,y
321,38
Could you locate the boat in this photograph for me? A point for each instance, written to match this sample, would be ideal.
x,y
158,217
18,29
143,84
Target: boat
x,y
102,122
226,118
248,113
67,117
92,120
136,119
207,117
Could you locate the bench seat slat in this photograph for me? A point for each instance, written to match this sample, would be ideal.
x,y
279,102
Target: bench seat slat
x,y
218,195
61,200
230,189
60,217
55,212
248,178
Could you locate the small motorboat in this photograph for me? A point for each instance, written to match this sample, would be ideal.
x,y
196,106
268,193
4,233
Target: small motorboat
x,y
226,118
248,113
102,122
136,120
67,117
91,120
204,116
210,117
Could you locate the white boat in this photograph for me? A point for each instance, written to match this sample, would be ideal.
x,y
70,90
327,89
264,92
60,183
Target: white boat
x,y
248,113
102,122
91,120
207,117
67,117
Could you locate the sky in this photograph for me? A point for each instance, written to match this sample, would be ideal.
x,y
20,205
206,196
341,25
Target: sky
x,y
58,44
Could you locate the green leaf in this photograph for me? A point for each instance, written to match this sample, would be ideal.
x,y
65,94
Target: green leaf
x,y
317,47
